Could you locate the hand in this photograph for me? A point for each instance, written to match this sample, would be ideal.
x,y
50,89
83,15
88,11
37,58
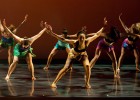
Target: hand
x,y
26,16
120,15
42,24
48,27
4,22
105,21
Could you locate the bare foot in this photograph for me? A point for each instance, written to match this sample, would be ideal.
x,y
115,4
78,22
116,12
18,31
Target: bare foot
x,y
88,86
33,78
117,76
45,68
53,85
7,78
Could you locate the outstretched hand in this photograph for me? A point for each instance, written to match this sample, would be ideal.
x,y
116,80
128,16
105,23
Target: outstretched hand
x,y
42,24
120,16
4,22
26,16
105,21
48,27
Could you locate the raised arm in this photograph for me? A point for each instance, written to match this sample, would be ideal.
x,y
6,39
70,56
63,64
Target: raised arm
x,y
35,37
98,34
123,25
102,29
49,31
1,27
18,39
25,19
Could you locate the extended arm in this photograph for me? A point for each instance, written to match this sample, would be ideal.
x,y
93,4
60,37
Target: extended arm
x,y
25,19
1,27
33,38
18,39
96,35
123,25
49,31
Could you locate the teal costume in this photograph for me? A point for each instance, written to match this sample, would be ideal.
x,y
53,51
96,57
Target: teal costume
x,y
60,45
6,42
22,52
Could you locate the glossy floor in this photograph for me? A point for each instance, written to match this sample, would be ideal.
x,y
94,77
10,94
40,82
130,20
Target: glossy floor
x,y
72,84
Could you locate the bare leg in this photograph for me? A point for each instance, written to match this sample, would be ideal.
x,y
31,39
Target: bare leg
x,y
28,63
120,59
61,73
114,62
136,54
10,56
53,52
97,55
87,71
12,67
31,65
68,50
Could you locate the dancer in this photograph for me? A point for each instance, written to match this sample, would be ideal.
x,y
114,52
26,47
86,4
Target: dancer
x,y
60,45
7,41
78,52
106,44
22,49
130,43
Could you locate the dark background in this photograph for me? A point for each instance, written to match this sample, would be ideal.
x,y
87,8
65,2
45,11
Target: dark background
x,y
70,14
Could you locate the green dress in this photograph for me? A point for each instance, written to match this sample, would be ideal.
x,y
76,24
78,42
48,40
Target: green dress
x,y
22,52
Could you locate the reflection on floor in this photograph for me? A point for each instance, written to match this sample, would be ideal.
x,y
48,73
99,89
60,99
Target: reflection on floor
x,y
71,86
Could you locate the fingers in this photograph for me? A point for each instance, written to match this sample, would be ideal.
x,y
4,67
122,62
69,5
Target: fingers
x,y
105,21
42,24
26,16
120,15
4,22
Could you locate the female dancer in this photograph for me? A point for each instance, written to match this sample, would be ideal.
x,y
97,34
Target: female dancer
x,y
106,44
7,41
60,45
22,49
130,43
78,52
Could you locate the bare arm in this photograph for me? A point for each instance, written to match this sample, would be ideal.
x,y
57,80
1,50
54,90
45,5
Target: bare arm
x,y
33,38
18,39
95,36
123,25
49,31
61,38
25,19
1,27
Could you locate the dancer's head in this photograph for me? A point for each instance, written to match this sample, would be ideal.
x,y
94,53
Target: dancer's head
x,y
11,27
114,34
65,32
135,28
81,36
25,42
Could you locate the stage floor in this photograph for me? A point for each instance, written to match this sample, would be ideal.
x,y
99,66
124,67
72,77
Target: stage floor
x,y
104,86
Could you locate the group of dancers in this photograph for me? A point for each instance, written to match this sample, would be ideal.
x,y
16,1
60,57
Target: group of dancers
x,y
75,45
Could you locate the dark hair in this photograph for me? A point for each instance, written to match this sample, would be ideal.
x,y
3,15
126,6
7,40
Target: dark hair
x,y
114,34
65,31
80,32
11,27
25,41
